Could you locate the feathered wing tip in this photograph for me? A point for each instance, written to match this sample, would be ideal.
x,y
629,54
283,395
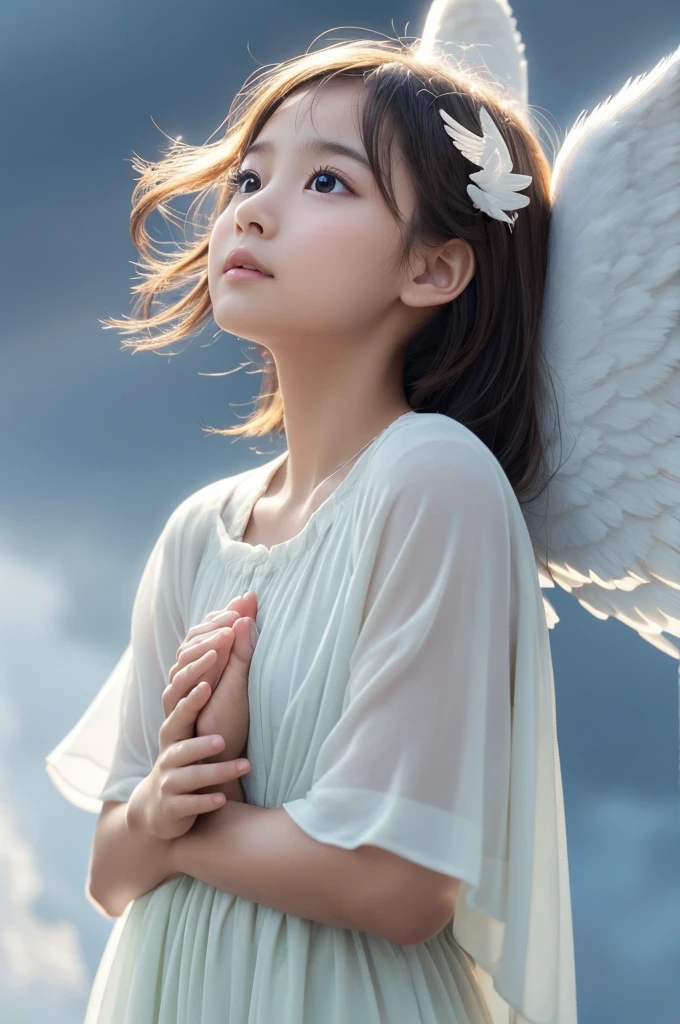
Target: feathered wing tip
x,y
455,27
607,528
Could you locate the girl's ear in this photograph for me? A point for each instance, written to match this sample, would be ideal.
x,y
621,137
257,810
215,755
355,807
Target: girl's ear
x,y
437,276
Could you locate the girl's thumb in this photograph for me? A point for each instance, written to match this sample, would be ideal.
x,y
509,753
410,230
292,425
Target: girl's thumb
x,y
254,633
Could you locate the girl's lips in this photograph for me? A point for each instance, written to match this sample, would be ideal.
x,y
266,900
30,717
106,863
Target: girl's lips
x,y
241,274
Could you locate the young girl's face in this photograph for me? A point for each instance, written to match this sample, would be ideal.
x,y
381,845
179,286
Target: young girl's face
x,y
326,236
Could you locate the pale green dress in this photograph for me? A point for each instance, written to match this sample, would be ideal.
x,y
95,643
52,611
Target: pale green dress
x,y
393,629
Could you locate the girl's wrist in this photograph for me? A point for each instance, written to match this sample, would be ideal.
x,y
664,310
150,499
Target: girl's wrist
x,y
157,853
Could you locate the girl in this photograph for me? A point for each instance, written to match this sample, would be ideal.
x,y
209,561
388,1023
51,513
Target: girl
x,y
401,856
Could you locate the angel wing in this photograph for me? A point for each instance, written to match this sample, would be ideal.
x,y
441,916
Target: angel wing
x,y
607,527
456,28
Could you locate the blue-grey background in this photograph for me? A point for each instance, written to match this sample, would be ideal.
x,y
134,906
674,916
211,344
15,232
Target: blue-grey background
x,y
98,448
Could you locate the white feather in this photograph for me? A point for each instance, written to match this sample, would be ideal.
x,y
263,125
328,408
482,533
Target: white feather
x,y
497,183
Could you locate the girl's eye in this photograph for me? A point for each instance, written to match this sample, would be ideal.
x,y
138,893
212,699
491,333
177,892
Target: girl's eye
x,y
329,173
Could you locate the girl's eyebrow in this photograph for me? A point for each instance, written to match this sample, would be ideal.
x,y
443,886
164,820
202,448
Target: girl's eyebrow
x,y
315,145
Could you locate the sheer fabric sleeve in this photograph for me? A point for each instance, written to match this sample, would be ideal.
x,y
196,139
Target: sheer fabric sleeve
x,y
424,760
114,744
429,689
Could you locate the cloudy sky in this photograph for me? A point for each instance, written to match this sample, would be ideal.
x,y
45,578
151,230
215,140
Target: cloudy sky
x,y
102,447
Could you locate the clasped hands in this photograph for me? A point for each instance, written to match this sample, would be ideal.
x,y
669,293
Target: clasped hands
x,y
218,651
210,676
205,730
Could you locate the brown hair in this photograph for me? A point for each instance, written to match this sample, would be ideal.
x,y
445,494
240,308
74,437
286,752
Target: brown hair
x,y
477,359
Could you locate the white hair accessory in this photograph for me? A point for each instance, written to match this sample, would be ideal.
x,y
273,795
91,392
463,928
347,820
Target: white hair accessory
x,y
496,181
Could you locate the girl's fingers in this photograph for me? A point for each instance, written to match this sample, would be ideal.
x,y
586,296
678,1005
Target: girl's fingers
x,y
205,637
193,750
181,722
208,624
184,680
188,804
227,613
197,776
210,632
189,655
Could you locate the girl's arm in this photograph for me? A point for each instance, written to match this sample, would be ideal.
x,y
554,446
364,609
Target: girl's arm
x,y
126,859
261,854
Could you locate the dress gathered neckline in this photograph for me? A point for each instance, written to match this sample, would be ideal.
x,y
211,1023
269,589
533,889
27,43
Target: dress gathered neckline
x,y
259,482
